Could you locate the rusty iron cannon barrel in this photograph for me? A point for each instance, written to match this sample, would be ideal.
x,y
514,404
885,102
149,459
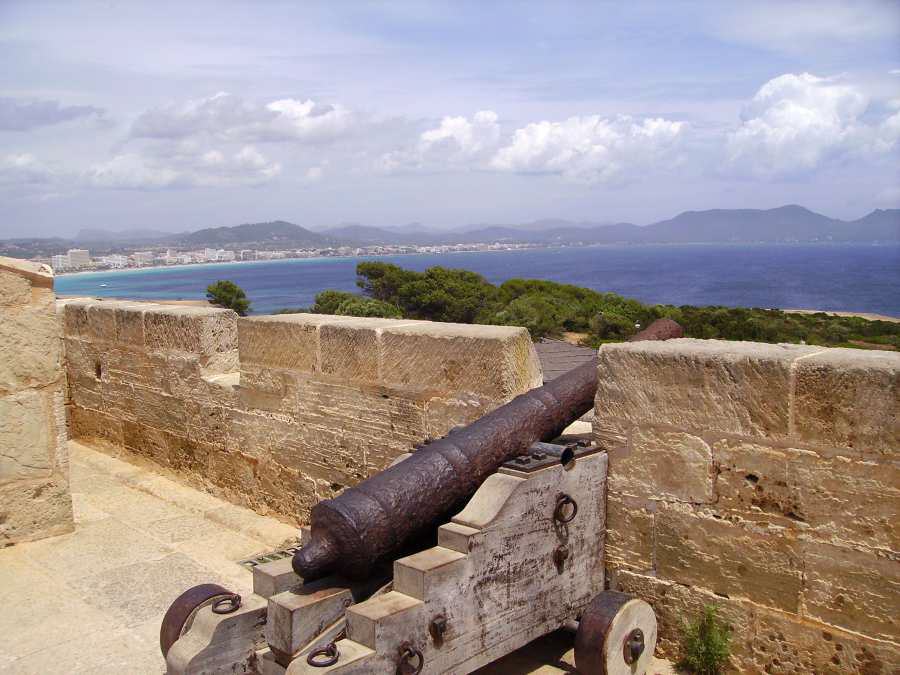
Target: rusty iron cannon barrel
x,y
368,522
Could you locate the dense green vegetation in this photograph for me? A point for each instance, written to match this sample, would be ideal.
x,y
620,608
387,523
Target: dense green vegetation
x,y
229,295
548,308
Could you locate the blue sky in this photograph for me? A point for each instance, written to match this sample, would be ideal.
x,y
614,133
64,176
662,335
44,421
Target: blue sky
x,y
179,115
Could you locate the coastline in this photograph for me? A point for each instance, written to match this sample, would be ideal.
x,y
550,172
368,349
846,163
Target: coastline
x,y
376,256
859,281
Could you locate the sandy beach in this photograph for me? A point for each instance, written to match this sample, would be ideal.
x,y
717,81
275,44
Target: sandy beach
x,y
862,315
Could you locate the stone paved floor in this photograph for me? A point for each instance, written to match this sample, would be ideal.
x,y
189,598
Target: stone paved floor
x,y
91,601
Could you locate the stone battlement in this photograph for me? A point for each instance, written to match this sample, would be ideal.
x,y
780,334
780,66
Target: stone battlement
x,y
763,479
34,466
277,412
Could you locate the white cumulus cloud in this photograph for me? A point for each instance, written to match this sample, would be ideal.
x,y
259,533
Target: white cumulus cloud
x,y
228,117
585,149
590,149
212,168
456,142
797,123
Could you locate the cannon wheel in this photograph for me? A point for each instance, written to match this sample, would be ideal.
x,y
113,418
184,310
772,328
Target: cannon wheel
x,y
181,612
616,636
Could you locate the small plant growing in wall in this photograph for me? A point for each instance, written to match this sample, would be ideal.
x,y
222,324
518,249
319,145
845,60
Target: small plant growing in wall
x,y
229,295
705,644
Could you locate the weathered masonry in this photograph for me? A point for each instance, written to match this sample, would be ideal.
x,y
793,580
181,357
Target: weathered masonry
x,y
763,479
34,478
278,412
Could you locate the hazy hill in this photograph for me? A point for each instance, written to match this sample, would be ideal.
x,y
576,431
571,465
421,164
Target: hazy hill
x,y
366,235
787,223
880,225
784,224
256,235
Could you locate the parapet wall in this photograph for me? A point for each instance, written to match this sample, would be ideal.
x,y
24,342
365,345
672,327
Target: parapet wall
x,y
278,412
762,479
35,501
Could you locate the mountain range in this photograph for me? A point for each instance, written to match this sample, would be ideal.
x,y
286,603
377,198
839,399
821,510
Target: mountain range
x,y
780,225
785,224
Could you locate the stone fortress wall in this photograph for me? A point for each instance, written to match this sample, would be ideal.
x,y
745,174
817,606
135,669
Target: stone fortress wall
x,y
278,412
760,478
763,479
35,501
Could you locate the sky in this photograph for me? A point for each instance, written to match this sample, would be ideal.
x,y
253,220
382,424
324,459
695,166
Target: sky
x,y
176,116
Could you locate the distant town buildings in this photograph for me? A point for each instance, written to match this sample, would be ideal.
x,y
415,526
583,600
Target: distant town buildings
x,y
77,259
143,258
60,263
114,261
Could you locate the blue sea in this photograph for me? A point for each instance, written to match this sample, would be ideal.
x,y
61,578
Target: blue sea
x,y
839,277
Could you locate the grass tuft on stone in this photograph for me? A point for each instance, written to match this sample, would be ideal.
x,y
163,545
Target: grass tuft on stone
x,y
705,644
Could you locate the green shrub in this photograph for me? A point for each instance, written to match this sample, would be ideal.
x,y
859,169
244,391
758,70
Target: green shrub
x,y
358,306
547,308
705,644
229,295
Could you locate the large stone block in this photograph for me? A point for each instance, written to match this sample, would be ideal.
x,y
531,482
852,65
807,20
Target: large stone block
x,y
495,361
101,318
753,481
27,436
75,317
201,330
128,365
349,348
235,472
849,398
661,464
15,289
150,407
856,590
629,532
784,643
35,508
697,386
129,323
834,499
95,427
857,503
288,491
285,341
146,441
442,414
190,455
30,346
731,558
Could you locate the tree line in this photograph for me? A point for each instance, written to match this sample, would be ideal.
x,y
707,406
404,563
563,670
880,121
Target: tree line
x,y
550,309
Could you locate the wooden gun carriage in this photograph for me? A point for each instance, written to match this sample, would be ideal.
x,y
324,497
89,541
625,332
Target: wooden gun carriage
x,y
453,557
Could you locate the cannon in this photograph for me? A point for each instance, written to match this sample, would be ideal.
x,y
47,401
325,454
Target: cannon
x,y
456,555
356,529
